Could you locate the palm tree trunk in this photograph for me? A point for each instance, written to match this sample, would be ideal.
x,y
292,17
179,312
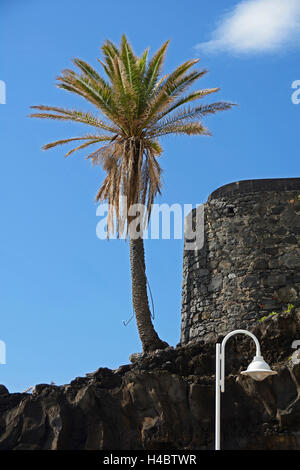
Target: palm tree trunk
x,y
149,338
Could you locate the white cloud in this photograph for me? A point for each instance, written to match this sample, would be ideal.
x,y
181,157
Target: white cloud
x,y
255,26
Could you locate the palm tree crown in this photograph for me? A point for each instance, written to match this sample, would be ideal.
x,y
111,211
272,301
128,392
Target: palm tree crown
x,y
136,106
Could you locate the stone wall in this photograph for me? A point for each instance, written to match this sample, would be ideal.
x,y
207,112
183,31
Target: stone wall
x,y
249,265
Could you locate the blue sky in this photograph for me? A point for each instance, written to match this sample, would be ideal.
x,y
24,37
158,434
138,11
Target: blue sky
x,y
64,292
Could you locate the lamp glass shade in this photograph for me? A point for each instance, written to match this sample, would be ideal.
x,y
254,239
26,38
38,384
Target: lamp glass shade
x,y
258,369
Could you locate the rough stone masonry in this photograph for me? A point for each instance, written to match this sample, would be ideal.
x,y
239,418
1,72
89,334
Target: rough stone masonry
x,y
249,265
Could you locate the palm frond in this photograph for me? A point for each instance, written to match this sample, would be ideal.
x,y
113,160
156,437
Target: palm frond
x,y
134,69
179,77
187,114
155,66
86,144
128,59
191,128
90,89
168,91
186,99
89,71
73,115
142,62
110,51
92,139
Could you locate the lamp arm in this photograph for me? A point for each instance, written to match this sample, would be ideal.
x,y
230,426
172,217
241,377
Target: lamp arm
x,y
222,355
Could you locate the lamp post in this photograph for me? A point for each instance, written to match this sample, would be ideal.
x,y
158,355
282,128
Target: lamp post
x,y
258,370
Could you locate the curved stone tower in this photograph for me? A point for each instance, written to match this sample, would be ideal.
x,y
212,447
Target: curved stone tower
x,y
249,265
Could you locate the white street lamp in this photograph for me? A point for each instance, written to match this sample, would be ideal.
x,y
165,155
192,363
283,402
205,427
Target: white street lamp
x,y
258,370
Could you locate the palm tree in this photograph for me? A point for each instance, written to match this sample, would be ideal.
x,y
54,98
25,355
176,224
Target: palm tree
x,y
135,105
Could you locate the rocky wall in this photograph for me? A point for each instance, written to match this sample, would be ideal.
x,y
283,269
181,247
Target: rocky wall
x,y
249,265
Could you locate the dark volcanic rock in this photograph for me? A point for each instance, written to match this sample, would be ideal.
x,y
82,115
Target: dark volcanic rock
x,y
165,401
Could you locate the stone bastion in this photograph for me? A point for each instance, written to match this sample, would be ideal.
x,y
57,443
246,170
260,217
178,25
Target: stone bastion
x,y
249,264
